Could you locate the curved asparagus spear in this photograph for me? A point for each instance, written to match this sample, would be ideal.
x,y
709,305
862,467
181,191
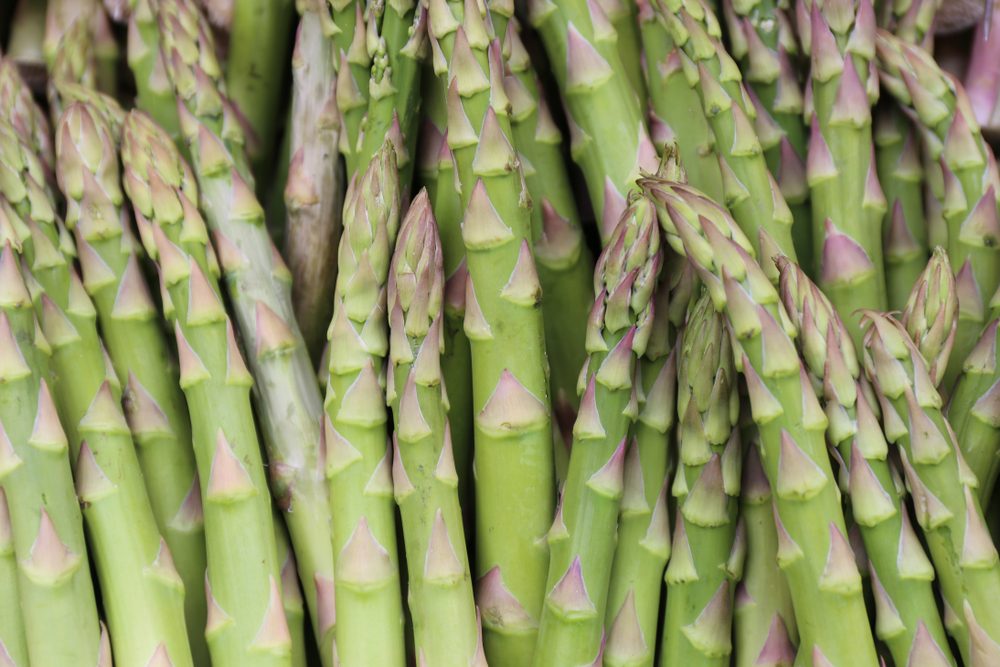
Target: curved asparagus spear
x,y
513,428
54,586
286,394
813,548
446,627
358,463
582,537
931,314
154,405
942,487
906,614
701,574
246,622
608,137
13,648
313,191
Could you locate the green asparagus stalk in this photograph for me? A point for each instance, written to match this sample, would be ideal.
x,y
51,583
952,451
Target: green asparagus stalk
x,y
74,61
608,137
21,111
511,408
24,44
358,464
287,396
291,596
154,94
906,614
764,630
565,265
942,487
13,649
354,60
964,179
633,607
582,537
813,549
623,17
313,191
705,563
246,623
931,314
446,627
95,29
54,589
154,405
847,201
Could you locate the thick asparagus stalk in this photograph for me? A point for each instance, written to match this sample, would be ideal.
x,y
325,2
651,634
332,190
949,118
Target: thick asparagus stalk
x,y
154,405
358,462
314,191
906,614
287,397
513,428
154,94
246,622
813,548
931,314
54,589
608,137
446,627
13,648
582,537
941,485
705,563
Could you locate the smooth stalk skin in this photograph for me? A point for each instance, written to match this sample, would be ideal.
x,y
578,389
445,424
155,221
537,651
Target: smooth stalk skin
x,y
19,108
287,396
942,487
259,41
445,623
354,61
764,630
13,649
314,192
582,537
608,136
749,190
906,612
813,549
511,408
634,594
246,622
708,548
394,87
848,204
154,94
675,110
54,588
136,342
982,78
565,264
145,613
358,462
931,314
963,179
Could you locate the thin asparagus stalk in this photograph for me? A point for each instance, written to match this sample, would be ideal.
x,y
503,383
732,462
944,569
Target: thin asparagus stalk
x,y
847,201
358,464
446,627
354,61
314,191
511,408
931,314
13,649
906,614
705,563
60,17
624,19
291,595
74,61
608,137
287,396
154,94
246,623
53,578
813,548
942,487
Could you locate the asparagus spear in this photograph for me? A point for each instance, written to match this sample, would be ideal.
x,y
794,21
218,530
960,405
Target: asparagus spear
x,y
24,44
511,409
154,94
358,463
906,614
941,485
54,589
847,200
20,109
446,628
982,79
13,649
354,60
313,191
246,624
287,396
608,137
813,549
154,405
705,564
964,179
931,314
